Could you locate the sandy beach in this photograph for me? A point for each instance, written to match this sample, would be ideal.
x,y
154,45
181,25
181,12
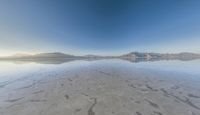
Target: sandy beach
x,y
100,89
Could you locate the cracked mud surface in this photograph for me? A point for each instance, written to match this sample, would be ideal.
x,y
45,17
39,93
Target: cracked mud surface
x,y
100,89
90,111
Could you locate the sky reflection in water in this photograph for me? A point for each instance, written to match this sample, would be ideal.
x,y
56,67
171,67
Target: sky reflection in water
x,y
13,70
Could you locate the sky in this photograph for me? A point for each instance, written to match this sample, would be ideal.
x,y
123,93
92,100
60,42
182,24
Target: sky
x,y
107,27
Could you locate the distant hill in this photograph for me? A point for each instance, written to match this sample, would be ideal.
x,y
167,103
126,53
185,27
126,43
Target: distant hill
x,y
154,56
53,55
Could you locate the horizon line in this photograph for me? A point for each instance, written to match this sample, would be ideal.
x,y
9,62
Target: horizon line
x,y
25,53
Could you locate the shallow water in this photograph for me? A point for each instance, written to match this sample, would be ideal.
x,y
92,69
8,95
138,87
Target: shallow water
x,y
11,70
100,87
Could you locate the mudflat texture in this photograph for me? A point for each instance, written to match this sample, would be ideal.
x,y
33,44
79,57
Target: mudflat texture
x,y
99,89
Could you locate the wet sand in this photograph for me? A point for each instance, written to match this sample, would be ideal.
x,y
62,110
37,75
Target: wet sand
x,y
98,89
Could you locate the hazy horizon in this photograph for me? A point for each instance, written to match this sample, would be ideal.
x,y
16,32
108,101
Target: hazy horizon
x,y
84,54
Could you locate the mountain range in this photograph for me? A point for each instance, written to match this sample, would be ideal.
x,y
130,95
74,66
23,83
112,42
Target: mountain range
x,y
132,56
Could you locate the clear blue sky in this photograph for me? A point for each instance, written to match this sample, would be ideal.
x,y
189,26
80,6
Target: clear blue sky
x,y
99,26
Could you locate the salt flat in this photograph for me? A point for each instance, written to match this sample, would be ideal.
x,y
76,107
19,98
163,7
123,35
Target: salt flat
x,y
98,88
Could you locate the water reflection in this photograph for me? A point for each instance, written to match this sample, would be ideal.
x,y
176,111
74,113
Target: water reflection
x,y
63,60
17,66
